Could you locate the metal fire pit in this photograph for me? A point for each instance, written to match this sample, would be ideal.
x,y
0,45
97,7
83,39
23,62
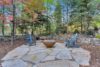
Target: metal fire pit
x,y
49,43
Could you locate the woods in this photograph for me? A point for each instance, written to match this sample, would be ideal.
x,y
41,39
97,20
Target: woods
x,y
49,14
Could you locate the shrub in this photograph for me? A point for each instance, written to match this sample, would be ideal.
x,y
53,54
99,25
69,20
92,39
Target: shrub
x,y
98,36
76,31
90,32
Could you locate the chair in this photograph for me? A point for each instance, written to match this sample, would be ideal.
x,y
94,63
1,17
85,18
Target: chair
x,y
72,41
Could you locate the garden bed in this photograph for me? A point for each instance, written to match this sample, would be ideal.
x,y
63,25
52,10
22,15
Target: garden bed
x,y
5,47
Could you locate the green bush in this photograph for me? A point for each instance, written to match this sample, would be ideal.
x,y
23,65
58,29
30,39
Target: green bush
x,y
76,31
90,32
98,36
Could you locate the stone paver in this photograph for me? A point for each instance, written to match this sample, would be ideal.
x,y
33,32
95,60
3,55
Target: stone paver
x,y
35,58
49,58
40,56
15,63
59,63
59,45
81,56
17,53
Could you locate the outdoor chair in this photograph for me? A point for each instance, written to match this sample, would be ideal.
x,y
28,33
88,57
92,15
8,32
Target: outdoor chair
x,y
34,38
71,42
30,40
1,39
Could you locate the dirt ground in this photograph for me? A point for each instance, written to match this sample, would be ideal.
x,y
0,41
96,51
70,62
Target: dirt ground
x,y
5,47
95,55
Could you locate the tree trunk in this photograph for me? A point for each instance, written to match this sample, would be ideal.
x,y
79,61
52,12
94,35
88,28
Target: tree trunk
x,y
88,26
3,21
81,25
3,33
32,28
13,22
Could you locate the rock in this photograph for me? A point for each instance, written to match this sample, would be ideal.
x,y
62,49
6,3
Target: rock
x,y
35,58
55,51
39,44
38,41
61,53
17,53
59,63
96,41
60,45
79,50
85,40
30,64
14,63
81,56
49,58
99,31
64,54
34,66
49,40
34,50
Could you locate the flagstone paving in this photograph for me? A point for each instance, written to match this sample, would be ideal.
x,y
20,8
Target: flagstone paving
x,y
40,56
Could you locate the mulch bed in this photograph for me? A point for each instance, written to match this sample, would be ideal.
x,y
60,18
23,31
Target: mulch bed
x,y
5,47
95,55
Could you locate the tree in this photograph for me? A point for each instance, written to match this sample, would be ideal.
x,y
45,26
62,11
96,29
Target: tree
x,y
82,13
58,15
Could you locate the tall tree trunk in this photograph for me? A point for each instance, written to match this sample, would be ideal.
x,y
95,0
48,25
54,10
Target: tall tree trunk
x,y
81,24
13,18
67,17
3,20
88,26
13,23
32,28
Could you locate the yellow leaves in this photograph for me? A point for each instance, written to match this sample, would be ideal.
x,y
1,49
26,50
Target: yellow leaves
x,y
30,8
35,4
35,16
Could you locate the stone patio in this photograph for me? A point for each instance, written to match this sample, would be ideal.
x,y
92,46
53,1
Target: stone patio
x,y
40,56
